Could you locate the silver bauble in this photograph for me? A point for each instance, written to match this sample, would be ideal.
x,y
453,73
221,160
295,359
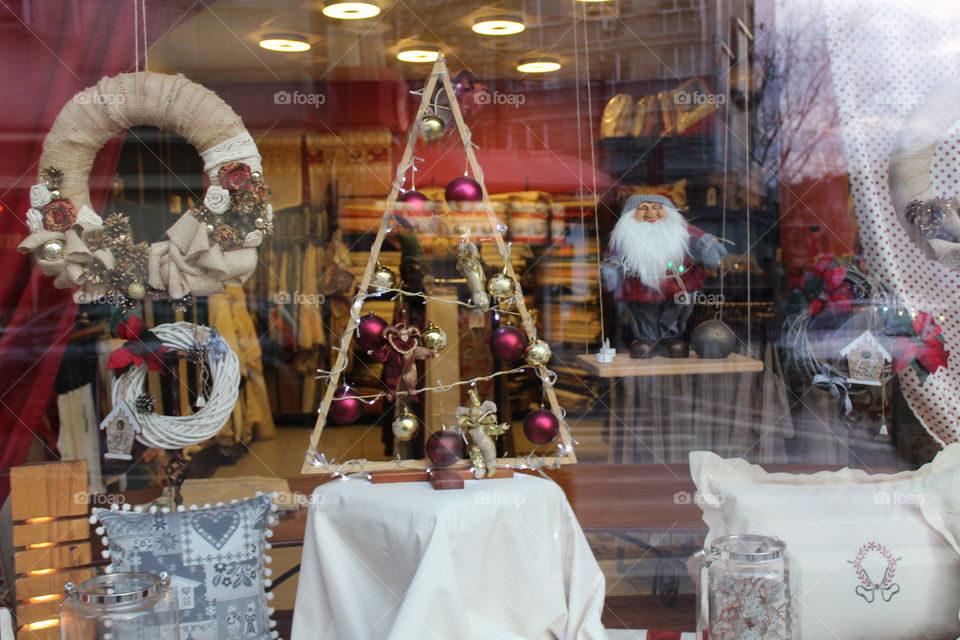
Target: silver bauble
x,y
405,426
382,278
501,286
433,337
538,353
53,250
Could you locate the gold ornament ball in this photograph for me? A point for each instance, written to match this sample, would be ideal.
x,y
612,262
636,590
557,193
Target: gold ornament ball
x,y
53,250
538,353
382,278
501,286
405,426
433,337
431,128
137,290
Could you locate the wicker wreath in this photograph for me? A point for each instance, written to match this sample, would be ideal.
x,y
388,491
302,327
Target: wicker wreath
x,y
212,245
175,432
933,222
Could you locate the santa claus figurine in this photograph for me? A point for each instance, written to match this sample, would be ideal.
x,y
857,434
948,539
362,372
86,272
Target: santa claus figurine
x,y
654,266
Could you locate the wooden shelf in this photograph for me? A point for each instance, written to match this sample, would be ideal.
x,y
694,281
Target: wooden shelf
x,y
625,367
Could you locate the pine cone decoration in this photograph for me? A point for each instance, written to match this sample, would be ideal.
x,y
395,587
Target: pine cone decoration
x,y
146,403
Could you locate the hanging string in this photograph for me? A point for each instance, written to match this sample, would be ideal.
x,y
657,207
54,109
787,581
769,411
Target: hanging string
x,y
139,39
593,166
576,71
749,190
723,215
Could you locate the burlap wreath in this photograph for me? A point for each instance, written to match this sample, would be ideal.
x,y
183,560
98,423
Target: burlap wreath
x,y
212,245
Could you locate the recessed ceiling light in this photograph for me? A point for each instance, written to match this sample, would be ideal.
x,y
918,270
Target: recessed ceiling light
x,y
419,54
538,65
350,10
284,42
499,25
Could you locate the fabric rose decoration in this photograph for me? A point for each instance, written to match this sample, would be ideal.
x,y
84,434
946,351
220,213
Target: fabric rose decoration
x,y
227,237
925,351
217,199
58,215
235,176
39,196
34,220
244,203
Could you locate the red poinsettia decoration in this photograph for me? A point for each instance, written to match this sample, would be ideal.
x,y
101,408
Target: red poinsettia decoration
x,y
836,296
925,351
141,347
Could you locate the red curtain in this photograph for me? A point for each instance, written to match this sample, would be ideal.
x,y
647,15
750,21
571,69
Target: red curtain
x,y
49,50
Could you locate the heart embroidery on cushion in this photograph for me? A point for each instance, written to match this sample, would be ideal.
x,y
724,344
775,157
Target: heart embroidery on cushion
x,y
216,526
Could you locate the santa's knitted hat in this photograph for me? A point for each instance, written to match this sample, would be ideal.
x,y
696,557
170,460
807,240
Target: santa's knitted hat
x,y
634,201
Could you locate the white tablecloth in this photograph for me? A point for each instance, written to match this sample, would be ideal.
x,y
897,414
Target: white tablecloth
x,y
499,560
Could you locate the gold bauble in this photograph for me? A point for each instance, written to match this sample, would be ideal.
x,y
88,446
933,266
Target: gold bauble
x,y
137,290
431,128
538,353
433,337
501,286
405,426
53,250
382,278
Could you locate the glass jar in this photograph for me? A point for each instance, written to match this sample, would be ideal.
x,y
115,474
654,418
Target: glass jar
x,y
744,590
132,605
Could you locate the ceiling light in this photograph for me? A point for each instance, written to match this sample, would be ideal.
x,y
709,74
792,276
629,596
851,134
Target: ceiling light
x,y
499,25
350,10
538,65
284,42
419,54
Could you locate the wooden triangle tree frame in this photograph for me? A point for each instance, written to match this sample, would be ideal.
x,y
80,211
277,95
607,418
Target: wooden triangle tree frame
x,y
440,74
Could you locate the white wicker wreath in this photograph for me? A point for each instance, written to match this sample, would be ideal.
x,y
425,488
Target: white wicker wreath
x,y
933,222
176,432
212,245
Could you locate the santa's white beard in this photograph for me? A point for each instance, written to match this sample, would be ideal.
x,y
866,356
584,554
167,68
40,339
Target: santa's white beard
x,y
645,248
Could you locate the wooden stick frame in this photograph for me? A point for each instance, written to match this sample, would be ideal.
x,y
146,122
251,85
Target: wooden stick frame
x,y
438,73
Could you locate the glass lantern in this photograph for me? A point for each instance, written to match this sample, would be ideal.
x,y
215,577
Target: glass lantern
x,y
744,590
132,605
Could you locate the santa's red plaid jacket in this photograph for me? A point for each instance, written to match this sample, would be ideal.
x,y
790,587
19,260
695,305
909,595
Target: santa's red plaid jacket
x,y
632,290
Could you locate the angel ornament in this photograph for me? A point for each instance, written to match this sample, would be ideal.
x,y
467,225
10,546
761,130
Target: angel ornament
x,y
479,422
469,266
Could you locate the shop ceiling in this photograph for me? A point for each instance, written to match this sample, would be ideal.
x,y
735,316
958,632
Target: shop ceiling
x,y
627,39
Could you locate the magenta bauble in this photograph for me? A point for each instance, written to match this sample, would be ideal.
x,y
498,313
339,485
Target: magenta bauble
x,y
413,200
541,426
345,410
463,189
508,343
370,332
444,448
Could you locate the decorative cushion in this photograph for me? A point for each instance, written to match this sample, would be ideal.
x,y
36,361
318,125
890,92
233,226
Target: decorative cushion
x,y
942,512
214,556
864,562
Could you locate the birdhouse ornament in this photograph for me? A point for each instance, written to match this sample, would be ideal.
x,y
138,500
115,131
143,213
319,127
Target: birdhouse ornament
x,y
865,359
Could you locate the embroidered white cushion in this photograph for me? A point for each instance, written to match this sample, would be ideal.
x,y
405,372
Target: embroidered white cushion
x,y
942,512
864,562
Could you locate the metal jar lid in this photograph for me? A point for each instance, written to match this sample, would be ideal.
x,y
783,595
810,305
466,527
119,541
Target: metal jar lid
x,y
118,588
747,548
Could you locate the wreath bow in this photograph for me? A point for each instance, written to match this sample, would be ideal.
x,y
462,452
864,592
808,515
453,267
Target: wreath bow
x,y
142,346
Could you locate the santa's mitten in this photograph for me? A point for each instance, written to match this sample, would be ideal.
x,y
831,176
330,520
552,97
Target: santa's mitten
x,y
611,271
709,251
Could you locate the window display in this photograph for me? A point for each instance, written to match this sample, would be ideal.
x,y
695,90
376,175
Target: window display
x,y
642,272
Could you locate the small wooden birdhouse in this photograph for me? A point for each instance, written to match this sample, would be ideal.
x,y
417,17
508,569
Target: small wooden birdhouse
x,y
865,359
121,427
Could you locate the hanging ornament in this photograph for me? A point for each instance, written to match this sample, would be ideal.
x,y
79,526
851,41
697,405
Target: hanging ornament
x,y
405,426
469,266
431,128
501,286
345,408
508,343
433,337
445,448
413,200
463,189
541,426
370,332
383,278
538,353
479,421
713,339
401,349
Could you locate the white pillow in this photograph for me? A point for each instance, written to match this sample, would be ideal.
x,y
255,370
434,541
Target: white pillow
x,y
864,562
942,512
